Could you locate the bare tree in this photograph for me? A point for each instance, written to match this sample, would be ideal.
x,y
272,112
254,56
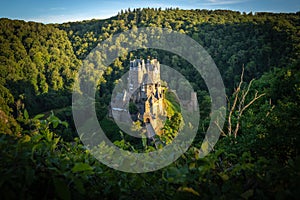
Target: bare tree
x,y
238,106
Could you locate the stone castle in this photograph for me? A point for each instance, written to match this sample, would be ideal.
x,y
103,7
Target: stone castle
x,y
145,91
148,97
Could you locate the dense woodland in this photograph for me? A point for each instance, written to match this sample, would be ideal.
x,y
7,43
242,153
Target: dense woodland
x,y
42,156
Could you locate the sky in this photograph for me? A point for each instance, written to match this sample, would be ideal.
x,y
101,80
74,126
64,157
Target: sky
x,y
58,11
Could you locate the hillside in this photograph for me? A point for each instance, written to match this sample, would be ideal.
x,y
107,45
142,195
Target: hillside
x,y
41,155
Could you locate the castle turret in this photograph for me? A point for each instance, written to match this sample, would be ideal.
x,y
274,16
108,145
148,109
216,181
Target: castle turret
x,y
136,73
156,70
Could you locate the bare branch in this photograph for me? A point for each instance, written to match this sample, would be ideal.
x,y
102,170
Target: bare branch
x,y
220,129
237,127
240,94
245,93
242,110
252,101
248,88
242,78
236,96
268,113
228,104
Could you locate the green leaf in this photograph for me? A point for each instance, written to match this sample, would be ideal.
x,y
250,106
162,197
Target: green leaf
x,y
192,165
79,167
55,123
144,141
26,116
38,116
36,138
25,139
188,190
65,124
205,147
34,148
49,136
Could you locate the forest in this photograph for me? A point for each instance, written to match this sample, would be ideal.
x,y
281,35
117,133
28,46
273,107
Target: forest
x,y
256,156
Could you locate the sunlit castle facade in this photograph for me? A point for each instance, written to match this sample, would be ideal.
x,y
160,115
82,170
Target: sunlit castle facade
x,y
148,97
144,85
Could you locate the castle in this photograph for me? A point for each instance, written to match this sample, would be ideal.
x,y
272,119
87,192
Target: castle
x,y
144,90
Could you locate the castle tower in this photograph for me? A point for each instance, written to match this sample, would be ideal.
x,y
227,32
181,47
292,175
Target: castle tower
x,y
156,70
136,74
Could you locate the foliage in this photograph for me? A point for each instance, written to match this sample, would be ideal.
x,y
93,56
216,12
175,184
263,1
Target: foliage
x,y
174,120
41,157
37,61
133,108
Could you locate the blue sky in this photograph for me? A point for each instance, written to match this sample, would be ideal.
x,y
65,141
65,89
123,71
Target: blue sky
x,y
58,11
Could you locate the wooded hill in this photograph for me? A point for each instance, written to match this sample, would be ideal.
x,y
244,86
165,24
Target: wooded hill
x,y
41,156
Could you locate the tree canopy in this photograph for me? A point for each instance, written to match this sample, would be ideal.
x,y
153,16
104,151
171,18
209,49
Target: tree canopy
x,y
41,155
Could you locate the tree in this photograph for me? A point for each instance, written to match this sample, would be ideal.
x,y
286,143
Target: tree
x,y
240,102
